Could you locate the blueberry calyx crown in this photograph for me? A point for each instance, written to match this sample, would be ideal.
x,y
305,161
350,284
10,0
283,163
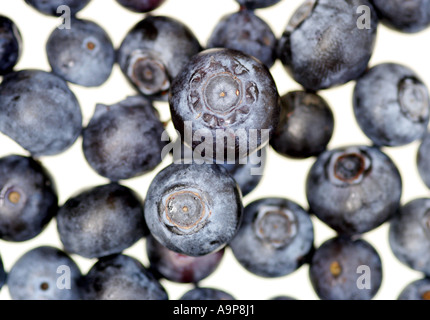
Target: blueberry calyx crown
x,y
335,269
426,295
11,195
185,211
413,99
275,226
221,94
349,166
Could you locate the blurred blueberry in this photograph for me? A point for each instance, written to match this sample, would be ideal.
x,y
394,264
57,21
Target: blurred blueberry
x,y
141,6
50,7
416,290
10,45
199,293
423,159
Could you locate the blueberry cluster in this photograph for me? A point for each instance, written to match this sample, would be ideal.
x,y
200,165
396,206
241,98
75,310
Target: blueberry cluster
x,y
229,119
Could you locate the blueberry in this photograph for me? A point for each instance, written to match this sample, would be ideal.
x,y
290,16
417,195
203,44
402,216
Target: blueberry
x,y
416,290
3,274
101,221
245,31
404,16
123,141
257,4
28,198
199,293
224,94
193,209
354,189
409,235
83,55
39,112
422,160
121,277
323,44
391,105
346,269
154,51
180,268
50,7
305,127
282,298
141,6
275,238
45,273
10,45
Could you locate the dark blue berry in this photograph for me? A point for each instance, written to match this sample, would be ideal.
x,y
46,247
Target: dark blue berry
x,y
423,159
10,45
101,221
45,273
83,54
409,235
416,290
391,105
275,238
141,6
154,51
39,112
28,198
305,127
346,269
323,45
180,268
50,7
199,293
121,277
224,94
244,31
193,209
123,141
404,16
3,274
354,189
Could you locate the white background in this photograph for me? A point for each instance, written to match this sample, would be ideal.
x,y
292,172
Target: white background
x,y
283,178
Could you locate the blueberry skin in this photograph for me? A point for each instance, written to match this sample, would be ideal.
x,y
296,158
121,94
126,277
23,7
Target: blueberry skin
x,y
257,4
49,7
416,290
305,127
275,238
141,6
37,276
225,93
10,45
193,209
3,274
354,189
282,298
199,293
123,141
153,53
101,221
39,112
180,268
404,16
391,105
121,277
83,55
409,235
244,31
336,270
320,52
422,160
28,198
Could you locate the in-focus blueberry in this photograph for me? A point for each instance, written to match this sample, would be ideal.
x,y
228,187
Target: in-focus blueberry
x,y
39,112
324,45
391,105
423,159
346,269
193,209
28,198
305,127
45,273
123,141
51,7
101,221
354,189
10,45
275,238
83,54
153,53
245,31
